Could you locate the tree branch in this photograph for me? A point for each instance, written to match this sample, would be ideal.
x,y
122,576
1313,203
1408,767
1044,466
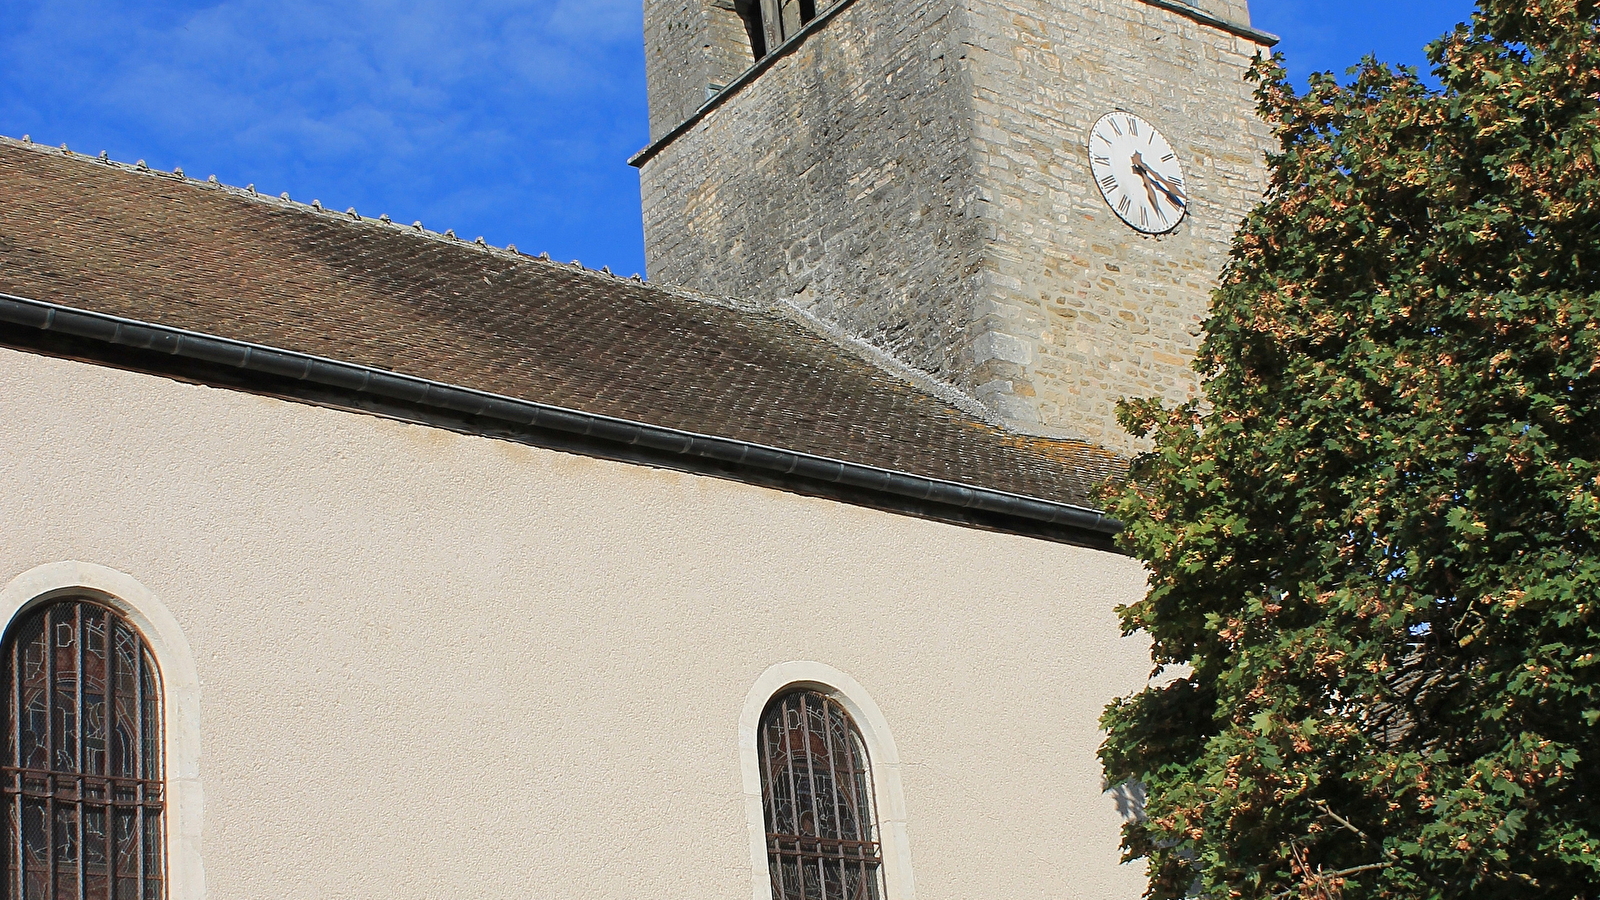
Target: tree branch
x,y
1340,819
1346,823
1342,873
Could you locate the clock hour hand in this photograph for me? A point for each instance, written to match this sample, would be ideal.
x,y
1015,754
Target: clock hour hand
x,y
1153,179
1149,186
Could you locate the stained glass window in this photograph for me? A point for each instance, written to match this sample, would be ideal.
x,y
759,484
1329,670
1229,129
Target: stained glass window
x,y
821,832
82,774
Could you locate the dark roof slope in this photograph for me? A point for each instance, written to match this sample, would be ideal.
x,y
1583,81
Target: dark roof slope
x,y
166,250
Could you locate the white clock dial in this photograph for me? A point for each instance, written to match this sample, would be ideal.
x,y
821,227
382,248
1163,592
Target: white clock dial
x,y
1138,173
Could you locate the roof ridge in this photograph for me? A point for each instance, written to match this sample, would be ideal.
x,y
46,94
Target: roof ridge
x,y
315,207
350,216
892,364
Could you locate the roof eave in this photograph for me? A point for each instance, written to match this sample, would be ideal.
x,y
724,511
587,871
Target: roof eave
x,y
64,331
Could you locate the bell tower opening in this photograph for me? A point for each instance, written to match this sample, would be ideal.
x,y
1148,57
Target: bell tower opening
x,y
794,14
750,13
771,22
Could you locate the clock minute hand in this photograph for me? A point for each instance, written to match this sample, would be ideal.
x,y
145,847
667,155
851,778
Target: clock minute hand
x,y
1154,181
1149,186
1151,176
1172,191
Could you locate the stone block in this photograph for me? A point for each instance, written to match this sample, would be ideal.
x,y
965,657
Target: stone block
x,y
917,174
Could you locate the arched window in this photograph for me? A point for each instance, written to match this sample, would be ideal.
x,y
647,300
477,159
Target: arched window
x,y
83,783
822,841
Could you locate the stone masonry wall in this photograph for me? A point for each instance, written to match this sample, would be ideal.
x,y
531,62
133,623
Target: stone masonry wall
x,y
690,45
841,179
1237,11
1081,310
675,64
728,42
917,173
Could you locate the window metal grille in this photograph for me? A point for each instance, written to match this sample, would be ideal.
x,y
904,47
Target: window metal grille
x,y
82,776
821,834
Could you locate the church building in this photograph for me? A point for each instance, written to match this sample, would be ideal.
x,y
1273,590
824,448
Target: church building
x,y
343,559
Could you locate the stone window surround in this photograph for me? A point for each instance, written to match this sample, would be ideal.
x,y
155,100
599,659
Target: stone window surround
x,y
180,694
882,758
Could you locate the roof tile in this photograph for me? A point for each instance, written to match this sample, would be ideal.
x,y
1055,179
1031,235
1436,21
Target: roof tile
x,y
195,255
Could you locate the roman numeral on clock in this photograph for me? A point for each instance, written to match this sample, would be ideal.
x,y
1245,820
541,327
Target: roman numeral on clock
x,y
1128,170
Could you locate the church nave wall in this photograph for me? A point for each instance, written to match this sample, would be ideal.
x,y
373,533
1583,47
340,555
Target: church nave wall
x,y
434,665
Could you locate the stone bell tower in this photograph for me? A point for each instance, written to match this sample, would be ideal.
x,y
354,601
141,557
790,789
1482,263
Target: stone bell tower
x,y
919,174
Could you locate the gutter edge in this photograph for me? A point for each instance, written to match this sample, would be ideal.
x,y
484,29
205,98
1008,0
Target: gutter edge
x,y
1237,29
159,349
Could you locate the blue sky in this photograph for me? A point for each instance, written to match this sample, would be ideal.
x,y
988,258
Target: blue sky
x,y
506,118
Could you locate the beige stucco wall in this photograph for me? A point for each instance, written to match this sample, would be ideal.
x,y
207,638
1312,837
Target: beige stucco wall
x,y
438,666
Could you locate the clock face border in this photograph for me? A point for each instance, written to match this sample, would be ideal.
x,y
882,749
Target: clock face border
x,y
1113,140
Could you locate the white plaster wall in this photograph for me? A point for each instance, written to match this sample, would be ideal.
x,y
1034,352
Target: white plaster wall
x,y
438,666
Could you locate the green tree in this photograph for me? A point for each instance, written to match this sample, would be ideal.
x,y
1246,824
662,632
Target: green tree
x,y
1373,558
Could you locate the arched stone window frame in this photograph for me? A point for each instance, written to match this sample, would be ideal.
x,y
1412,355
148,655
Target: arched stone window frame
x,y
752,16
180,693
882,757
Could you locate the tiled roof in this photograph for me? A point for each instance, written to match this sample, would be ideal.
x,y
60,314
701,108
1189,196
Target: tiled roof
x,y
167,250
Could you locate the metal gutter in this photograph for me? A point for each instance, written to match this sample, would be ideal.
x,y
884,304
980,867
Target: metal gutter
x,y
766,62
63,331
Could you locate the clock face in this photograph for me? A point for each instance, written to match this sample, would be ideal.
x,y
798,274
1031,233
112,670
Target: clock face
x,y
1138,173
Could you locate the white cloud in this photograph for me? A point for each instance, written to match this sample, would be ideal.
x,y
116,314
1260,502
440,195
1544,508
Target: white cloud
x,y
510,118
248,60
